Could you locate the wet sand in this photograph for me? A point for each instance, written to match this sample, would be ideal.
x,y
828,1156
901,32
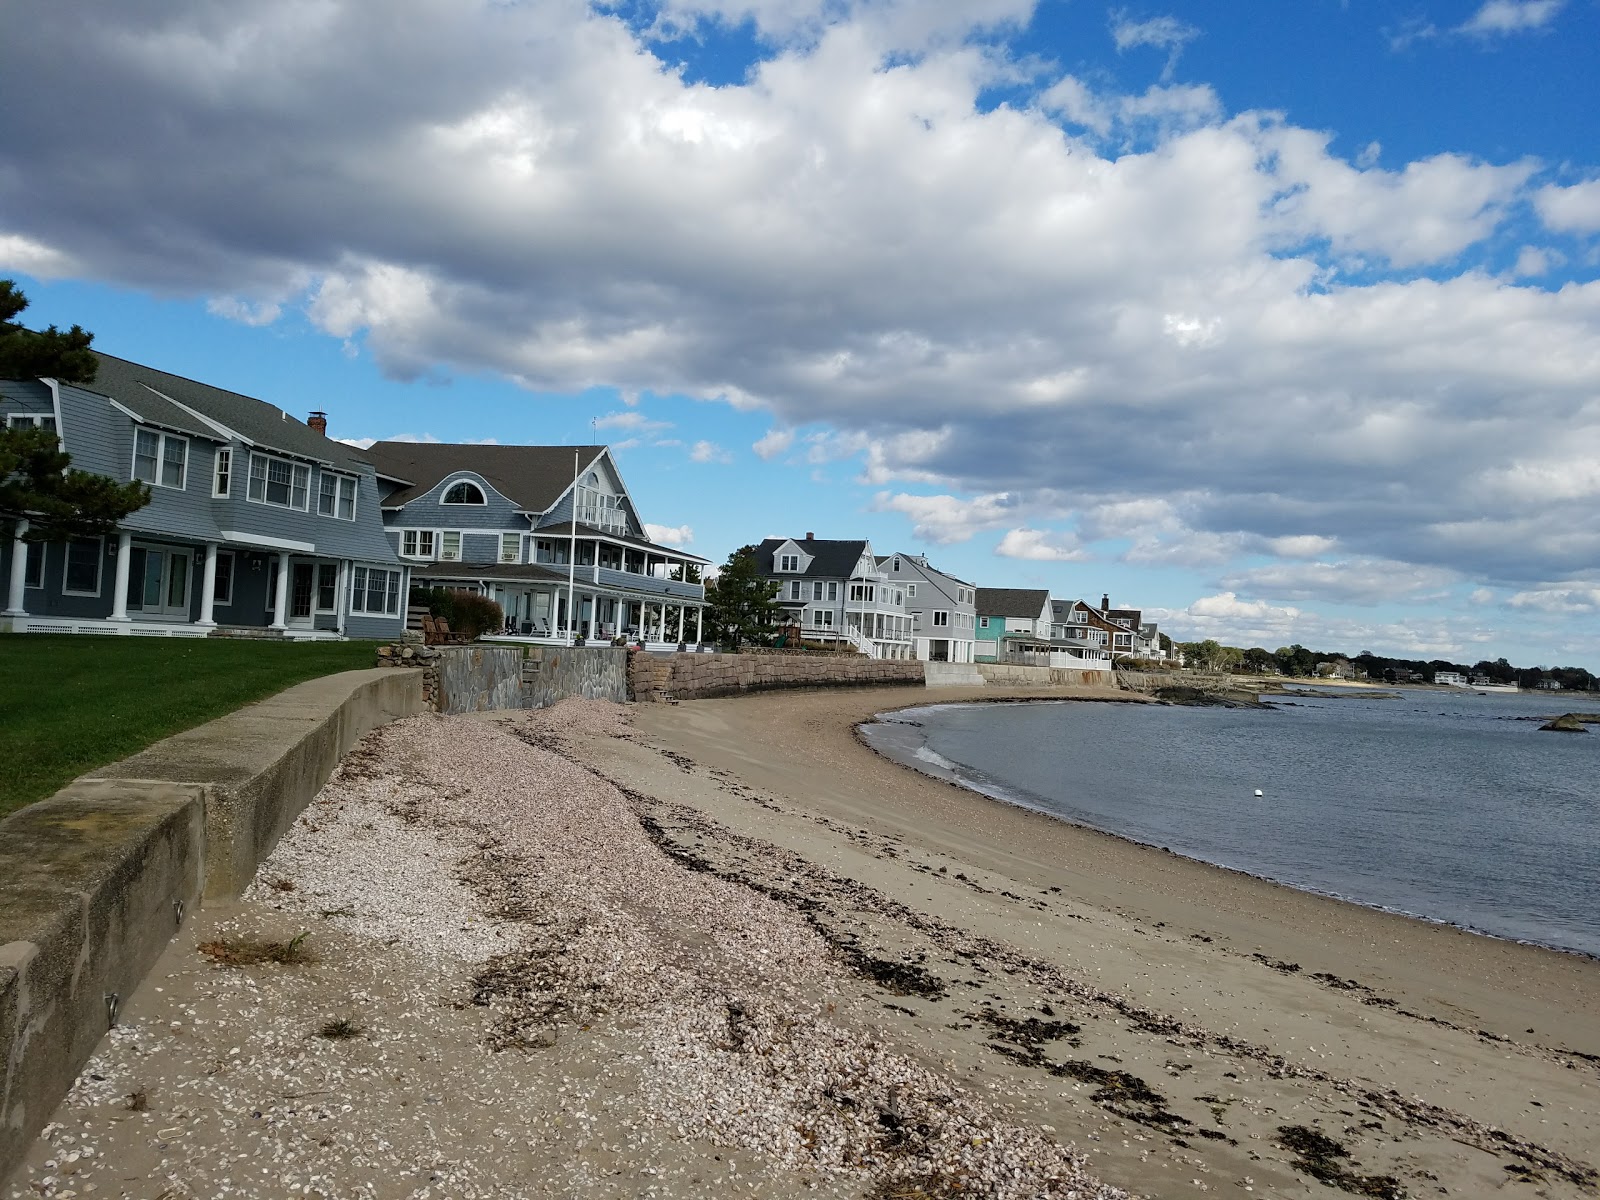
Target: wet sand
x,y
721,947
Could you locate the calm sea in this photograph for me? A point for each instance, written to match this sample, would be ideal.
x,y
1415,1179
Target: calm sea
x,y
1438,805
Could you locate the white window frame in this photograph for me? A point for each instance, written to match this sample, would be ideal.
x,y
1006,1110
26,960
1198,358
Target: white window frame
x,y
911,590
266,481
444,536
941,618
360,589
222,473
514,542
445,491
223,576
31,421
794,589
788,563
162,438
822,618
33,568
99,567
341,483
316,588
833,589
416,536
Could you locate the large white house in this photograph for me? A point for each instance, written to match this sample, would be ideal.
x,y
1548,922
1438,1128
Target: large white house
x,y
943,609
836,591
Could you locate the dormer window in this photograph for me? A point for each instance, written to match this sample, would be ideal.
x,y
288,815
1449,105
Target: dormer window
x,y
464,492
788,562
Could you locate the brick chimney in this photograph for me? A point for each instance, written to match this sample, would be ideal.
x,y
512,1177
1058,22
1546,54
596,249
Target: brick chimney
x,y
1105,601
810,537
318,421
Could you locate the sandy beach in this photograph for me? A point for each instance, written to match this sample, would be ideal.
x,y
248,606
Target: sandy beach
x,y
721,948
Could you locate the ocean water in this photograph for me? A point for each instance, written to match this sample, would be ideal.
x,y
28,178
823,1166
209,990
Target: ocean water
x,y
1438,805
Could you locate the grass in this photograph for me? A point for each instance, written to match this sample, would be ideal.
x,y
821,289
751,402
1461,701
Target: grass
x,y
247,952
69,704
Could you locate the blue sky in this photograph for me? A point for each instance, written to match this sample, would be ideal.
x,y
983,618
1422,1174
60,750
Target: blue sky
x,y
1279,321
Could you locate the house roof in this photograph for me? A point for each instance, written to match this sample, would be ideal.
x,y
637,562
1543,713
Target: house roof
x,y
1011,602
922,562
531,477
130,384
564,529
829,558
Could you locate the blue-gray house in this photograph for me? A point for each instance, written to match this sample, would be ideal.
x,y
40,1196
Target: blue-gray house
x,y
258,522
530,525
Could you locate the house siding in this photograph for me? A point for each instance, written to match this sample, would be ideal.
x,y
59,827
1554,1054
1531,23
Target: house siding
x,y
426,512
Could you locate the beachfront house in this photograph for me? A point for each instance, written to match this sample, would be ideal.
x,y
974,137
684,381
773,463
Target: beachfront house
x,y
835,591
944,612
529,525
258,524
1022,613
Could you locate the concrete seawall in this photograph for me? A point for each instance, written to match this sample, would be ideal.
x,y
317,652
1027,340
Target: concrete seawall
x,y
703,676
95,881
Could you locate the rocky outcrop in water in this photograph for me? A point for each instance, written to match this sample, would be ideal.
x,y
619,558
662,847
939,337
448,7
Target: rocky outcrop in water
x,y
1567,723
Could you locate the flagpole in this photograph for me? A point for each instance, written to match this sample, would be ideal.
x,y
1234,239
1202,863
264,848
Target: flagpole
x,y
572,553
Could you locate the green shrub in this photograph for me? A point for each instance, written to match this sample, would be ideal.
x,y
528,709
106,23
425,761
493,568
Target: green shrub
x,y
467,612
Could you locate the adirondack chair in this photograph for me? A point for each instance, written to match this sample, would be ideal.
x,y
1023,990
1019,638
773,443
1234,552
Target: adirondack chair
x,y
436,632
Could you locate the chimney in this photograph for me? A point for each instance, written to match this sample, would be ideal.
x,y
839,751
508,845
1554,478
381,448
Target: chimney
x,y
810,537
1105,602
318,422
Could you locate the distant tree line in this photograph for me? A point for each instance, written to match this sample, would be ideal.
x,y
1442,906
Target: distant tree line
x,y
1297,661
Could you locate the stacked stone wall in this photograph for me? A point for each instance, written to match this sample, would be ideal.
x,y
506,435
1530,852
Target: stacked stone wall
x,y
662,677
552,673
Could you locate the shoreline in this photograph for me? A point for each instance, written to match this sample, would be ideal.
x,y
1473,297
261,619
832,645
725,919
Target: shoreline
x,y
955,779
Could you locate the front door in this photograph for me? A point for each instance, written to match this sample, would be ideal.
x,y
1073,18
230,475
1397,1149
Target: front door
x,y
301,582
158,582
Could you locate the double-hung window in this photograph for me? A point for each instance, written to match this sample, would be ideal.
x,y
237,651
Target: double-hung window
x,y
450,546
822,618
375,591
161,459
510,547
941,618
833,589
222,472
794,589
222,589
81,576
33,569
416,543
31,421
279,482
788,562
336,496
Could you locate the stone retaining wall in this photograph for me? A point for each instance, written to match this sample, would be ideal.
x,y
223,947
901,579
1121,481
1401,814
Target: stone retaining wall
x,y
552,673
657,677
97,879
1016,675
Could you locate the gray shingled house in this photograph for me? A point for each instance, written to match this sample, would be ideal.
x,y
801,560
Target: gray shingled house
x,y
258,522
943,608
837,591
526,524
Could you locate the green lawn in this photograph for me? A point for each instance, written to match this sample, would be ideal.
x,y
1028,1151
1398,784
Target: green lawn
x,y
69,704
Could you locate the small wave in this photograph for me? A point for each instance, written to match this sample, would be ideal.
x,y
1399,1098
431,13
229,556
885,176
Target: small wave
x,y
934,759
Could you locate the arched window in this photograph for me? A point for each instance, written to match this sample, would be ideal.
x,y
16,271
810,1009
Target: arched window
x,y
465,492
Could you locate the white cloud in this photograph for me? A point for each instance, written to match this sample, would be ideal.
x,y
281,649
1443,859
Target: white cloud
x,y
632,421
679,536
709,452
1535,261
1164,33
358,443
1578,598
1574,209
1038,545
245,312
24,255
773,443
946,519
1357,581
1497,18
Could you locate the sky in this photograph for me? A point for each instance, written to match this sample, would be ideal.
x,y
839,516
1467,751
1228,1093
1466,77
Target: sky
x,y
1279,321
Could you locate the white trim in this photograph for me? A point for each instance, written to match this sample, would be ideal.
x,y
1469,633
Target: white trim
x,y
137,419
216,461
268,543
162,436
266,481
221,429
339,478
476,481
55,403
99,567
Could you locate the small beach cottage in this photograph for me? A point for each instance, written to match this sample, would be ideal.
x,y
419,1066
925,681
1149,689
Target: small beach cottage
x,y
526,525
258,523
836,591
1022,612
943,608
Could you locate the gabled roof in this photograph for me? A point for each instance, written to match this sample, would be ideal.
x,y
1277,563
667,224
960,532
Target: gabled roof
x,y
1012,602
922,562
829,559
130,385
531,477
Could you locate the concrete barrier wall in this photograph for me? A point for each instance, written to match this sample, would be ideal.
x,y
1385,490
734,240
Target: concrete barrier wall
x,y
1016,675
95,881
702,676
948,674
552,673
479,678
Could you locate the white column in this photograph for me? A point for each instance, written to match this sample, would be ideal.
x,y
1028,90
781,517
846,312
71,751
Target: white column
x,y
699,631
19,572
280,600
119,590
680,622
208,588
340,603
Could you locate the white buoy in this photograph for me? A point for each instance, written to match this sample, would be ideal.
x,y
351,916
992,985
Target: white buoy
x,y
1258,791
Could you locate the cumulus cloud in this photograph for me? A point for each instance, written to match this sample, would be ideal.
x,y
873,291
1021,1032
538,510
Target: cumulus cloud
x,y
773,443
679,536
708,452
1237,621
1361,581
1039,545
1577,598
1025,304
1496,18
631,420
946,519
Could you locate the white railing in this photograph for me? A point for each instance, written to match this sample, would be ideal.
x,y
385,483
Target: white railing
x,y
860,642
